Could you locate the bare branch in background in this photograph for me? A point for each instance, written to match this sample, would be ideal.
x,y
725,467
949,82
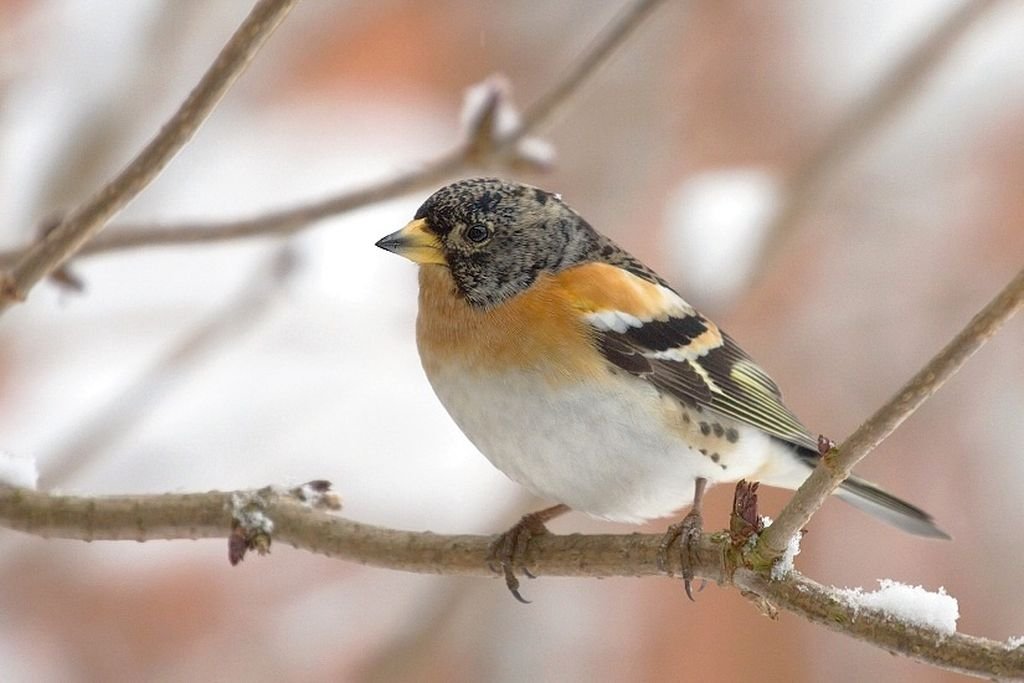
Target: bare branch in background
x,y
904,80
836,465
49,253
301,524
597,54
468,154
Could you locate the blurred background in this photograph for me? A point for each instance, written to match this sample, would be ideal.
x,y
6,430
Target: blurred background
x,y
842,229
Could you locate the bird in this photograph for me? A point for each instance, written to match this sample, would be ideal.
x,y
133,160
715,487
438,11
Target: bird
x,y
581,374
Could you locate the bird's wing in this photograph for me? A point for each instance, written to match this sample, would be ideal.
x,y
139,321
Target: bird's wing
x,y
647,330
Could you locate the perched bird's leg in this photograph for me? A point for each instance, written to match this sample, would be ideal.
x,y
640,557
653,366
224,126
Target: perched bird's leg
x,y
686,532
506,551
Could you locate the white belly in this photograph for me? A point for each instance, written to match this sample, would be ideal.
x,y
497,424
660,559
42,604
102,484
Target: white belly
x,y
606,453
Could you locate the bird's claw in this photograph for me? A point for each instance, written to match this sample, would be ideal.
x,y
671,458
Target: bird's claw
x,y
685,532
507,551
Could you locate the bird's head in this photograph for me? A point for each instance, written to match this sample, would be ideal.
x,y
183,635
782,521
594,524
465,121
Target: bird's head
x,y
495,237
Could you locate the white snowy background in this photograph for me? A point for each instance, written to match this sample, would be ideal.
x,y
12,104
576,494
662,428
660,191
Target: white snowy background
x,y
679,148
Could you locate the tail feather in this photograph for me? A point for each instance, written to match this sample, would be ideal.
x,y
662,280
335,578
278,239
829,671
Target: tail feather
x,y
888,508
869,498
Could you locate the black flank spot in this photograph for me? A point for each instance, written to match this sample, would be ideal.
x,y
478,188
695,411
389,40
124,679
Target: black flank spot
x,y
731,435
703,451
686,418
705,428
719,430
715,457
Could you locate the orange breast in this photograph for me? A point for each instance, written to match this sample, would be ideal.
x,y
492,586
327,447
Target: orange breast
x,y
539,330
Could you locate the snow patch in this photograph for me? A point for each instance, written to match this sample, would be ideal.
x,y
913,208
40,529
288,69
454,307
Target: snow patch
x,y
537,152
247,508
907,604
496,92
318,494
783,566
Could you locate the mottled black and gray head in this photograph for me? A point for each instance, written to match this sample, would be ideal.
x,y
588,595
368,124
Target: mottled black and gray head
x,y
496,237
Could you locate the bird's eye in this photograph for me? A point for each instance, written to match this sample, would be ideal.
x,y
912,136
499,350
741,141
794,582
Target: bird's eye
x,y
477,233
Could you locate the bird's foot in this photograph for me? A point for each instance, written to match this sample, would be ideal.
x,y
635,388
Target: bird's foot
x,y
507,551
684,533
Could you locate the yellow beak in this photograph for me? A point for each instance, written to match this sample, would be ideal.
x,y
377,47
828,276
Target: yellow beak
x,y
415,243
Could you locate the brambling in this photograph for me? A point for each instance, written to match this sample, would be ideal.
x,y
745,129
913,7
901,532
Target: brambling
x,y
581,374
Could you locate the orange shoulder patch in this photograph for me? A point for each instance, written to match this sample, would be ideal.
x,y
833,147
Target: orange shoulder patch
x,y
597,287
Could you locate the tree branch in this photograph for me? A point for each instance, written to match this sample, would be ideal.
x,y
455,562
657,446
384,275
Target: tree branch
x,y
58,245
468,154
836,465
306,525
959,652
613,36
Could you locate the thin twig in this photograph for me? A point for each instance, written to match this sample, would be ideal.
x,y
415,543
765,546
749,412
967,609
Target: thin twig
x,y
466,155
837,465
57,246
209,515
865,118
281,222
598,53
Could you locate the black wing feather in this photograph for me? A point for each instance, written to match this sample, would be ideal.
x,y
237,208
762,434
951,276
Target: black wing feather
x,y
738,388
